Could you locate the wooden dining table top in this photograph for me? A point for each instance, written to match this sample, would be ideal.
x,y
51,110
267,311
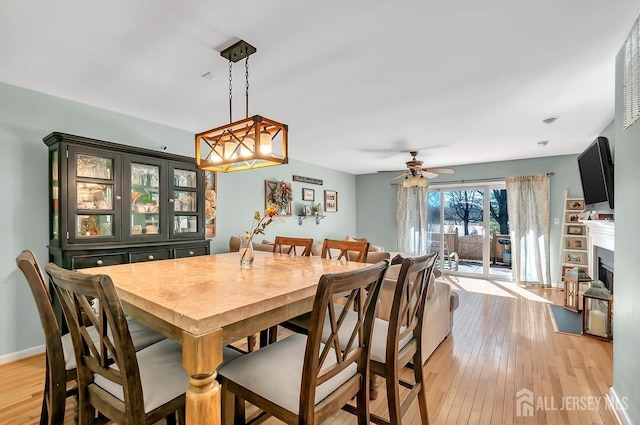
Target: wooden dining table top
x,y
197,294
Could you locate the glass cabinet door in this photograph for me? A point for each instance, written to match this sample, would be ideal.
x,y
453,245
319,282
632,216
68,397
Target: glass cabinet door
x,y
186,203
92,205
146,208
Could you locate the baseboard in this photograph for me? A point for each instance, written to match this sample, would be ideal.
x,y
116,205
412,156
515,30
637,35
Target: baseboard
x,y
12,357
618,408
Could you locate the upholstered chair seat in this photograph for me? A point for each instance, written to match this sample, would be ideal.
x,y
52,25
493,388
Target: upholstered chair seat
x,y
141,335
284,361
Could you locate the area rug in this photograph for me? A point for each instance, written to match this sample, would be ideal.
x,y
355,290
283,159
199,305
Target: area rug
x,y
565,320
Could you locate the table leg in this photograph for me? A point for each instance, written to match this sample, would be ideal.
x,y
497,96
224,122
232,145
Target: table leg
x,y
201,355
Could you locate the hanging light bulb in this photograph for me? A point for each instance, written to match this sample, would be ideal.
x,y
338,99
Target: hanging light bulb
x,y
230,151
265,142
406,182
247,147
422,182
415,181
216,154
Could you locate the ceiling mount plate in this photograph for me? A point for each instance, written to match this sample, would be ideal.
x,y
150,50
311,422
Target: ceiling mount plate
x,y
238,51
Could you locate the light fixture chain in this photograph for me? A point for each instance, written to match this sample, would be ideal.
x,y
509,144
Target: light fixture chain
x,y
246,66
230,91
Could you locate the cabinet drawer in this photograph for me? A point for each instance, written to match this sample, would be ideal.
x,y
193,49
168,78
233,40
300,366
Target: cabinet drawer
x,y
139,257
190,252
84,261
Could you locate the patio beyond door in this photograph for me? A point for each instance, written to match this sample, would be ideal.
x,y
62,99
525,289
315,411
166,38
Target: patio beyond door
x,y
469,226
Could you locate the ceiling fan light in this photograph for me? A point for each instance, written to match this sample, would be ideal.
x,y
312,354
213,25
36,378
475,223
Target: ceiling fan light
x,y
406,182
422,182
415,181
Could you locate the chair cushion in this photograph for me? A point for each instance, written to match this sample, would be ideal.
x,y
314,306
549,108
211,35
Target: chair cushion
x,y
141,335
161,373
378,339
283,362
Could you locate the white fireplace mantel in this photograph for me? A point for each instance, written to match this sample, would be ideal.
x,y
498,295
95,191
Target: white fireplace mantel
x,y
601,234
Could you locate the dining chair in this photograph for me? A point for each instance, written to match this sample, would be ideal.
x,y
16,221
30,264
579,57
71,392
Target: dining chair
x,y
125,386
398,342
345,250
339,250
309,380
60,366
290,246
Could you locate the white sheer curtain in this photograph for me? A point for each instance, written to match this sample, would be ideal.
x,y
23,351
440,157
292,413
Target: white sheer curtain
x,y
411,219
528,205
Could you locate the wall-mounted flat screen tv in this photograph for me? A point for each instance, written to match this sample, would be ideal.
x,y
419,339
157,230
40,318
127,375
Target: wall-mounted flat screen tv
x,y
596,175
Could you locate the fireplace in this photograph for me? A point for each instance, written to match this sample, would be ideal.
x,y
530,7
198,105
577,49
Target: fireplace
x,y
601,251
604,269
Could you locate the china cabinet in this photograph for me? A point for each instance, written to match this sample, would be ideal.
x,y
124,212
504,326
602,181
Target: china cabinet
x,y
112,203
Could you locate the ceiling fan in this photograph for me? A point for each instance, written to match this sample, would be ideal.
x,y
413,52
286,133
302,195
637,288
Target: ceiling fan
x,y
416,175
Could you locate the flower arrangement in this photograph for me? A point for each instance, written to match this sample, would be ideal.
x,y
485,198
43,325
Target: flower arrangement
x,y
281,196
257,228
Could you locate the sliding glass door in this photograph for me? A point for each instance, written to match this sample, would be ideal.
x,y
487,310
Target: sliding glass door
x,y
469,226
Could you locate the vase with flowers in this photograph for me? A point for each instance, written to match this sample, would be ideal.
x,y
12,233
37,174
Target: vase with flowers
x,y
246,243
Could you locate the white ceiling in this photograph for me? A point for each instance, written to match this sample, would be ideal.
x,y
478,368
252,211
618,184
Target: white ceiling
x,y
359,82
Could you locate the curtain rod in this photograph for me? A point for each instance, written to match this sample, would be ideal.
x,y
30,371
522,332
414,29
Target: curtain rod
x,y
491,179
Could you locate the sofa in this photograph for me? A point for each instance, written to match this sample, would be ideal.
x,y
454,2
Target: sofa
x,y
441,300
438,318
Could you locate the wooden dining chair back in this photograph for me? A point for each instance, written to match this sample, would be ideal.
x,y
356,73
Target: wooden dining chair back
x,y
347,250
57,375
292,246
403,339
109,370
331,248
309,379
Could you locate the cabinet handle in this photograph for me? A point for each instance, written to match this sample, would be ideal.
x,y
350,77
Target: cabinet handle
x,y
170,200
118,197
151,257
99,262
190,252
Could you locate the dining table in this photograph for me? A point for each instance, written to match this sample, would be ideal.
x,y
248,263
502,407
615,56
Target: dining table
x,y
206,302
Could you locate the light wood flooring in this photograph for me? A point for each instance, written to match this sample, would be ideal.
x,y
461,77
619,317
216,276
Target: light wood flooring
x,y
502,341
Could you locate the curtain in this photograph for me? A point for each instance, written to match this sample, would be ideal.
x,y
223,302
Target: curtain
x,y
528,206
411,219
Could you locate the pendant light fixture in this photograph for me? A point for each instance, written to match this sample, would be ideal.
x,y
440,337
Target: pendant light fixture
x,y
252,142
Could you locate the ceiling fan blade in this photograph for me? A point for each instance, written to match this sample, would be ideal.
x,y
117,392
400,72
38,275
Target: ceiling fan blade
x,y
440,170
429,174
398,176
392,171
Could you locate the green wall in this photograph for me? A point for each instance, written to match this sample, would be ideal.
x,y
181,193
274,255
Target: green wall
x,y
626,345
376,197
27,116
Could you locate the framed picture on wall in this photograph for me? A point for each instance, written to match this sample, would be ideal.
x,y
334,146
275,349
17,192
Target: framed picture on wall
x,y
574,257
573,217
575,243
576,230
308,194
330,201
575,204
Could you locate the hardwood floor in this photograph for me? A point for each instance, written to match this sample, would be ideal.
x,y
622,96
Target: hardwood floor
x,y
502,341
